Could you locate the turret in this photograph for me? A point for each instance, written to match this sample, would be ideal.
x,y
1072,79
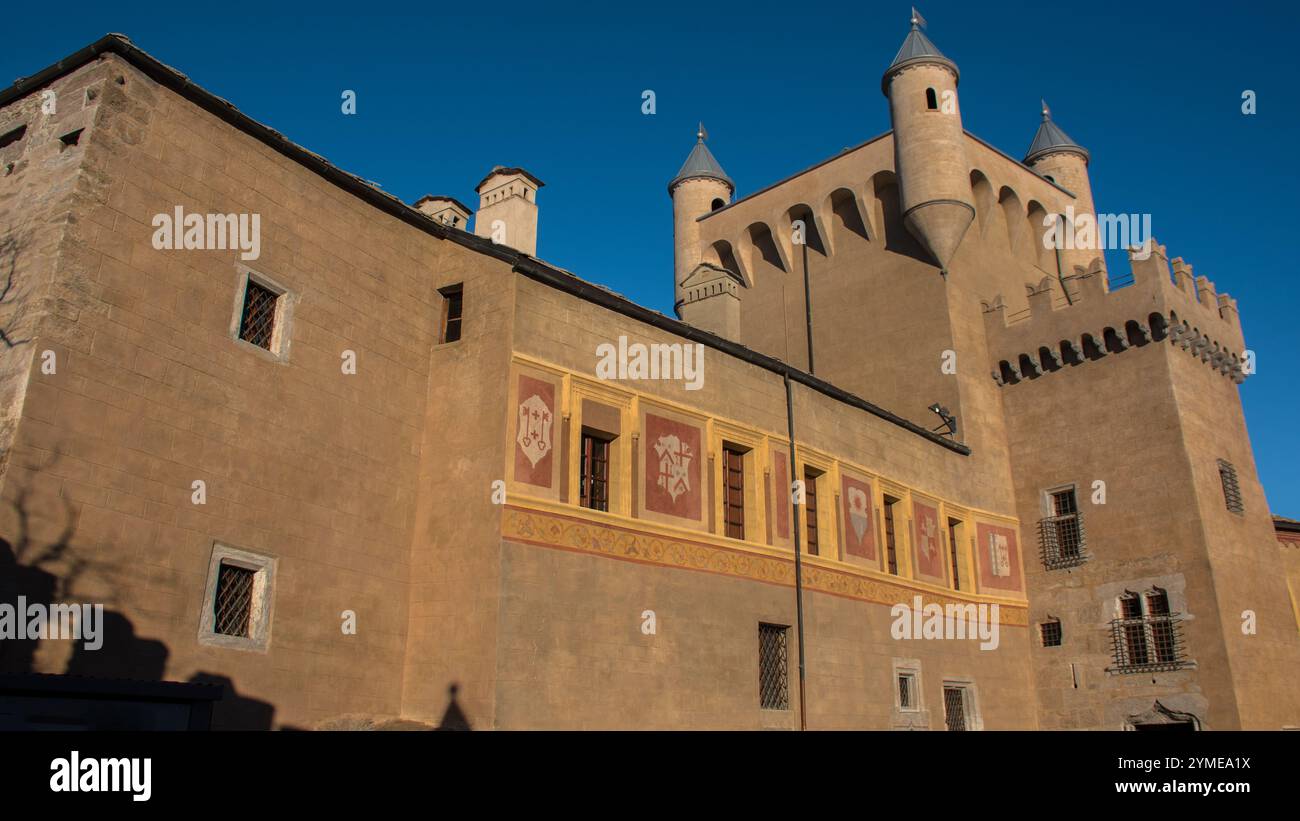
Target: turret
x,y
1063,161
701,186
929,145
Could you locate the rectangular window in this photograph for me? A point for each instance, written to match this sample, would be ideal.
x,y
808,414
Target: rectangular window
x,y
454,305
1060,534
810,508
257,319
1147,636
891,550
773,667
954,707
907,695
1051,632
233,603
1231,489
238,600
952,553
733,468
595,470
1164,646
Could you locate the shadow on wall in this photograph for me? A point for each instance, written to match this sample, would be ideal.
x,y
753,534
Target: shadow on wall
x,y
47,573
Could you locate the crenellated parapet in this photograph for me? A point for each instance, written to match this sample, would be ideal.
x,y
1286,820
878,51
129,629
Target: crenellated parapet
x,y
1088,321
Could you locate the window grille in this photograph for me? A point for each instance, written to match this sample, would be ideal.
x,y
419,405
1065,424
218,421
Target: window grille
x,y
1061,537
1147,637
773,667
1231,489
906,691
233,604
954,708
1051,631
257,322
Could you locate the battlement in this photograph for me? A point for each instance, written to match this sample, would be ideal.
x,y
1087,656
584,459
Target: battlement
x,y
1089,319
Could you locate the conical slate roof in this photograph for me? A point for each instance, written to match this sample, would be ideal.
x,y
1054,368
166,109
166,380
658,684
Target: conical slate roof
x,y
1051,138
916,48
701,163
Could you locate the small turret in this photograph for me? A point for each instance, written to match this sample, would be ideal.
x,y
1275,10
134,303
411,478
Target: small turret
x,y
701,186
1056,157
929,144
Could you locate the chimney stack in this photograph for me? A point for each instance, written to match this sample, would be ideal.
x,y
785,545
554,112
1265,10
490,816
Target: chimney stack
x,y
507,211
447,210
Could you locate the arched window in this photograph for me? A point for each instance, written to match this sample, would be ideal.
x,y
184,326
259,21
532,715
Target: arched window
x,y
931,101
718,203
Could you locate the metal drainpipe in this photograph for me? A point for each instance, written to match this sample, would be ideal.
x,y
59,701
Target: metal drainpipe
x,y
798,563
1060,276
807,304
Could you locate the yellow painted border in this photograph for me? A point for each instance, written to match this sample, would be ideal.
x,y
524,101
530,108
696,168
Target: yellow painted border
x,y
543,523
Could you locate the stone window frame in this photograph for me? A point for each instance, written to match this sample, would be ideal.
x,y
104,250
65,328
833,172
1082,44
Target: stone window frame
x,y
285,302
263,605
970,701
911,668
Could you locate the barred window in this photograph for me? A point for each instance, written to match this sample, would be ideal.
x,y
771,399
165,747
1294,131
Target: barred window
x,y
773,667
258,317
1051,633
238,600
908,697
1061,538
453,307
1147,636
1231,489
233,604
954,707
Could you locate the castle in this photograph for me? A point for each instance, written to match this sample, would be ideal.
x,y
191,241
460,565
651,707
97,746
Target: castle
x,y
375,469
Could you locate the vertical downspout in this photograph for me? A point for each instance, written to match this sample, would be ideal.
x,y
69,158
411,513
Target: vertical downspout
x,y
1060,275
807,304
798,563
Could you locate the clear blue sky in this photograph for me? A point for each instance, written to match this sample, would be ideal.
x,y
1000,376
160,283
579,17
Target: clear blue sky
x,y
1152,89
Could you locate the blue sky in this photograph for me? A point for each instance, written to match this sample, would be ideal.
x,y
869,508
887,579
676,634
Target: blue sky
x,y
1152,89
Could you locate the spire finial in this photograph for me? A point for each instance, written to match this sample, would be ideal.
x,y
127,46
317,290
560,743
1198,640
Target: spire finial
x,y
701,134
918,22
1047,112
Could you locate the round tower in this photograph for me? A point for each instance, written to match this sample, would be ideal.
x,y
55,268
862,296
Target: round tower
x,y
700,186
1063,161
929,145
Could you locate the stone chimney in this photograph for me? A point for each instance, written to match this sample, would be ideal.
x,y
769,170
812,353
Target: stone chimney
x,y
446,210
507,212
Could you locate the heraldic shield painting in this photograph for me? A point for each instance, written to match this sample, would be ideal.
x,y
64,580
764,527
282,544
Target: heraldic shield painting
x,y
859,525
929,542
672,467
999,558
535,432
